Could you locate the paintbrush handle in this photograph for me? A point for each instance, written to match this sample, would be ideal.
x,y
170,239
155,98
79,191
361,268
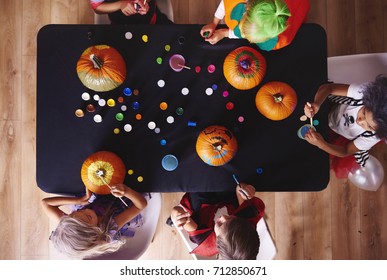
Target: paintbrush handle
x,y
103,180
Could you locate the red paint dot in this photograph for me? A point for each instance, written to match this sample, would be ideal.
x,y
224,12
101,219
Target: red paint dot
x,y
197,69
229,106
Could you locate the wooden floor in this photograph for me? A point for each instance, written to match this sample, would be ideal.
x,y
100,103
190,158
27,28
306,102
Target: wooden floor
x,y
341,222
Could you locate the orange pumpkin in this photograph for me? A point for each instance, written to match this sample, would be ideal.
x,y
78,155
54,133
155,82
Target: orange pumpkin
x,y
244,68
276,100
101,68
110,166
216,145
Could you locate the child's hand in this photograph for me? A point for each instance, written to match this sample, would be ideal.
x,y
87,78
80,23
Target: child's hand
x,y
128,8
246,191
208,30
180,217
311,109
84,200
118,190
217,35
142,7
314,138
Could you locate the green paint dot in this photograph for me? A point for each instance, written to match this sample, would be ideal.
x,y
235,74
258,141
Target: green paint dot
x,y
119,116
159,60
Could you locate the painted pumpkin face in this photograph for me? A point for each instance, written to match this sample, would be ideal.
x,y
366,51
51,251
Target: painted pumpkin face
x,y
101,68
108,165
216,145
244,68
276,100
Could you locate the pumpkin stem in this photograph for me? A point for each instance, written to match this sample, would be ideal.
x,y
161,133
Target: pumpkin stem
x,y
217,147
96,61
245,64
278,97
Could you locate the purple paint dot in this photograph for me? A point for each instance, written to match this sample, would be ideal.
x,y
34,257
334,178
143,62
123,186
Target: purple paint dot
x,y
225,93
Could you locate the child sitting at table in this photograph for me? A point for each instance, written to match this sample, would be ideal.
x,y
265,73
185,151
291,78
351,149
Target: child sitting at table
x,y
271,24
222,223
130,12
358,120
96,227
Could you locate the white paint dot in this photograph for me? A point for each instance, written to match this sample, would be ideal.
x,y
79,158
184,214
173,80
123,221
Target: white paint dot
x,y
86,96
97,118
151,125
96,97
170,119
102,102
128,35
124,108
209,91
161,83
185,91
127,127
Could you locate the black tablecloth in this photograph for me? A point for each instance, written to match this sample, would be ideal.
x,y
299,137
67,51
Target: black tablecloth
x,y
271,156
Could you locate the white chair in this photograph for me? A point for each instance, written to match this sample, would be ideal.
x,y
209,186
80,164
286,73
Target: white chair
x,y
136,246
267,248
165,7
358,68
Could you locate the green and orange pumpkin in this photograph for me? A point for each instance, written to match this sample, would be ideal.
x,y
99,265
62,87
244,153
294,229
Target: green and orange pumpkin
x,y
101,68
112,167
216,145
244,68
276,100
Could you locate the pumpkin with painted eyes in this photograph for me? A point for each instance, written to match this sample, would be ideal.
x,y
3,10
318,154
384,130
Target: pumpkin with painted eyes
x,y
101,169
244,68
276,100
216,145
101,68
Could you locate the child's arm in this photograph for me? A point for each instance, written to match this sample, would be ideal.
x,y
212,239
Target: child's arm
x,y
244,192
336,89
139,203
51,204
181,219
316,139
127,7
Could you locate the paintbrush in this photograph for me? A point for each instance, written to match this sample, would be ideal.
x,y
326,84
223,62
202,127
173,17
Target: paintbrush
x,y
239,185
100,174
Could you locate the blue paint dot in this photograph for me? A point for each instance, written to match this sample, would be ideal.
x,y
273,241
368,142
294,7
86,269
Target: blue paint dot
x,y
127,91
135,105
316,122
259,170
214,87
163,142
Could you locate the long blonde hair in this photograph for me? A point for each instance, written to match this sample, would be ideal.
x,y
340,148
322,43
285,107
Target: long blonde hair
x,y
78,240
265,19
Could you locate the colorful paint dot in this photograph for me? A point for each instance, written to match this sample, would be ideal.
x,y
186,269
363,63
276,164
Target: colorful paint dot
x,y
185,91
211,68
128,35
120,99
159,60
140,179
167,48
90,108
225,93
135,105
130,171
79,113
86,96
241,119
259,170
214,87
157,130
96,97
127,91
102,102
229,106
97,118
138,117
116,130
316,122
111,102
136,92
124,108
209,91
191,123
145,38
179,111
161,83
127,127
119,116
198,69
163,106
151,125
170,119
163,142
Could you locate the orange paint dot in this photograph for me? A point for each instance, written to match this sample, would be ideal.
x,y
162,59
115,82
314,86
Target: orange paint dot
x,y
163,106
138,117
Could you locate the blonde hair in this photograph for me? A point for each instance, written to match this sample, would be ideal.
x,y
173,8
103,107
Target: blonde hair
x,y
78,240
265,19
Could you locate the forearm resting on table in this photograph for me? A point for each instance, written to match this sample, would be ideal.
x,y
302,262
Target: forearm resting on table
x,y
137,199
106,8
339,151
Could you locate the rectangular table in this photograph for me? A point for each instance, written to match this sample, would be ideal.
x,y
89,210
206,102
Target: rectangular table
x,y
270,154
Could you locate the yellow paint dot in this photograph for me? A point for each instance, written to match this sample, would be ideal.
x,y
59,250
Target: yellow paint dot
x,y
130,171
111,102
138,117
144,38
140,179
167,48
116,130
163,106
